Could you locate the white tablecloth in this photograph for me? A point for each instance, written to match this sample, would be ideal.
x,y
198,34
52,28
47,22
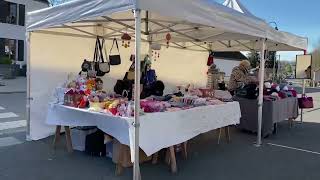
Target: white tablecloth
x,y
157,130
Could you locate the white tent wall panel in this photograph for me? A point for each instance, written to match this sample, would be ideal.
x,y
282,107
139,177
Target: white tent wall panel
x,y
54,59
50,63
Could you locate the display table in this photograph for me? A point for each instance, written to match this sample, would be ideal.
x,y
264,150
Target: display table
x,y
273,112
157,130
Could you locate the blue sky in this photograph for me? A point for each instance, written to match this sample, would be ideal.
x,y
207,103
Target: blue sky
x,y
295,16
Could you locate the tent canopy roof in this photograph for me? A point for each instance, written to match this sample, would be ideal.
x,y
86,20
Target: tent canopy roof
x,y
232,55
237,6
203,24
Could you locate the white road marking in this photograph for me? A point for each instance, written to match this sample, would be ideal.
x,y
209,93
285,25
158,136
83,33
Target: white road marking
x,y
13,124
9,141
293,148
8,115
2,108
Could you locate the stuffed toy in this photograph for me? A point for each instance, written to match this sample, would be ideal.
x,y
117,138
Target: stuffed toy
x,y
122,109
83,88
81,80
92,74
85,66
95,105
72,85
102,95
84,102
99,84
91,84
69,98
83,74
113,108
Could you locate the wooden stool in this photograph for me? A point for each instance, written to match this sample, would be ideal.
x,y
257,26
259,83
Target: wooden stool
x,y
171,156
291,122
227,134
68,138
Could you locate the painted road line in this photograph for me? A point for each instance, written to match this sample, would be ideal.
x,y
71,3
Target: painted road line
x,y
8,115
2,108
13,124
293,148
9,141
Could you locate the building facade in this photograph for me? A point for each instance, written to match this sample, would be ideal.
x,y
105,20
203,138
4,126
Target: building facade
x,y
13,28
226,61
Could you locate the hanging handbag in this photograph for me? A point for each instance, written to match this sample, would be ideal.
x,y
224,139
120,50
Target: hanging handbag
x,y
130,74
210,59
101,67
305,102
115,59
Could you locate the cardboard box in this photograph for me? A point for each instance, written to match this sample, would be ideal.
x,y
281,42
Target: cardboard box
x,y
121,155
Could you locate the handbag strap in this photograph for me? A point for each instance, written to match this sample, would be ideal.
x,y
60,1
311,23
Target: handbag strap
x,y
115,42
98,52
101,44
95,50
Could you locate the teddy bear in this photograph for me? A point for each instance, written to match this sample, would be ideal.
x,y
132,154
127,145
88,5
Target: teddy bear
x,y
95,104
91,84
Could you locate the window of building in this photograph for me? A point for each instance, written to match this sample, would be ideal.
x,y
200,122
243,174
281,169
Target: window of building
x,y
8,12
20,50
8,48
22,14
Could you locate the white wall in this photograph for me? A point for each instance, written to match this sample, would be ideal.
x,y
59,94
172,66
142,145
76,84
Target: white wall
x,y
226,65
11,31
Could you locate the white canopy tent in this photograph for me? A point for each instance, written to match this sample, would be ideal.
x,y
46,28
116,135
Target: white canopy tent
x,y
200,25
234,4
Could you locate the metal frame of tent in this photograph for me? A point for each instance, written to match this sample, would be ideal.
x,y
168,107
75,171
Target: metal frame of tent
x,y
184,37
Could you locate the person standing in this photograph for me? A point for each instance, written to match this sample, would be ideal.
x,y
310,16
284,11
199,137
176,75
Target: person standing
x,y
240,76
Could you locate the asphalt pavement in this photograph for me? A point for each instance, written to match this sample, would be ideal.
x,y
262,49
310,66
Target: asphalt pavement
x,y
293,153
12,118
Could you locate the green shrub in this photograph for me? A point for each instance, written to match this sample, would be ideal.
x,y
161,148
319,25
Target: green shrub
x,y
5,60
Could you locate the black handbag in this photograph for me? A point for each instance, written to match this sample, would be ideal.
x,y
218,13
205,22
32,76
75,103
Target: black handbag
x,y
115,59
94,144
101,67
249,91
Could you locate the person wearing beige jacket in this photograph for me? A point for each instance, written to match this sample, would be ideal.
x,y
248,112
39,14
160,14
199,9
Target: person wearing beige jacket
x,y
240,76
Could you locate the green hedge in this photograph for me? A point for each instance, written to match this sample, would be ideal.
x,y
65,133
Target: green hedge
x,y
5,60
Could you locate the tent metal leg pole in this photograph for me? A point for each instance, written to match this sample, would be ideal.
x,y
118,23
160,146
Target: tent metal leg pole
x,y
28,35
136,167
303,94
261,84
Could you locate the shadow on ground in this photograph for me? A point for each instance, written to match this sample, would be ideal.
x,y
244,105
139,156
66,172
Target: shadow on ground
x,y
207,160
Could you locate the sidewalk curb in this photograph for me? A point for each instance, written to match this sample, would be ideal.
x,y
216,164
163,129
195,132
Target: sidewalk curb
x,y
12,92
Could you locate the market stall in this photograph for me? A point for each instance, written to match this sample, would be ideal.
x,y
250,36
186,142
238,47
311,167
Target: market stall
x,y
179,126
274,111
207,26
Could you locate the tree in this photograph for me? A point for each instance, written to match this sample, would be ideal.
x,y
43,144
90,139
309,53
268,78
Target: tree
x,y
288,69
316,57
253,57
